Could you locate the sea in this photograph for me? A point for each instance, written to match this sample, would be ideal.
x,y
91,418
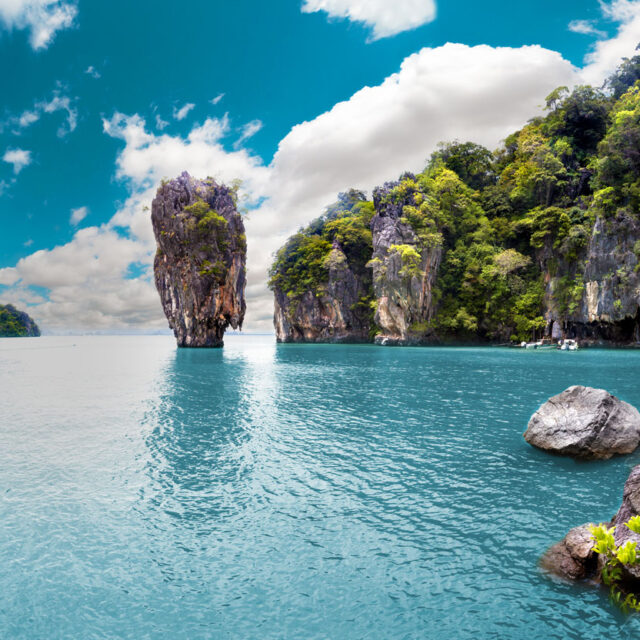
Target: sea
x,y
293,491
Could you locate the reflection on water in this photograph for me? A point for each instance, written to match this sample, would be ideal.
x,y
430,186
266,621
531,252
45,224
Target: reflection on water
x,y
290,491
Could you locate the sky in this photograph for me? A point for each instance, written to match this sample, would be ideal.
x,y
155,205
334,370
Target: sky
x,y
300,99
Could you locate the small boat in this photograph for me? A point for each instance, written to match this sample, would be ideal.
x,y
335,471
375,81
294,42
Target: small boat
x,y
540,344
568,345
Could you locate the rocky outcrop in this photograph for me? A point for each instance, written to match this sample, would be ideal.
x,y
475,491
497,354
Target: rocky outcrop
x,y
573,558
404,272
200,262
629,508
16,324
333,312
585,423
608,309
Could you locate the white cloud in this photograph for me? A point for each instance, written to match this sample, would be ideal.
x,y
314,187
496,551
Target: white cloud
x,y
78,215
57,102
248,131
469,93
93,72
27,118
183,112
585,27
43,18
386,18
19,158
160,123
61,102
216,100
606,55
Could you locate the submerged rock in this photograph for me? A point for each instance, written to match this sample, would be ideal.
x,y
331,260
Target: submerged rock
x,y
585,423
16,324
573,558
200,262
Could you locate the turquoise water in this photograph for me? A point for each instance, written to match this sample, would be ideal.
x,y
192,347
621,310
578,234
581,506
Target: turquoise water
x,y
294,491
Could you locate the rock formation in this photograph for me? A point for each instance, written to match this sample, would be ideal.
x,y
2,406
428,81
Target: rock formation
x,y
200,262
573,558
404,271
538,239
585,423
16,324
332,312
608,310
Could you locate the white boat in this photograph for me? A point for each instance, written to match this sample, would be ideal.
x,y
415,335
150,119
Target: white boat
x,y
568,345
540,344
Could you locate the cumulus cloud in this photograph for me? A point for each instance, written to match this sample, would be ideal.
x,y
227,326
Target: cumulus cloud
x,y
183,112
384,17
455,91
606,54
19,158
43,18
216,100
78,215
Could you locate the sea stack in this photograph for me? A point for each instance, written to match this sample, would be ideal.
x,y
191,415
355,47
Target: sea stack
x,y
200,264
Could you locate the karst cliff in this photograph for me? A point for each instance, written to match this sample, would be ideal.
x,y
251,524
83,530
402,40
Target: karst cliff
x,y
200,263
540,237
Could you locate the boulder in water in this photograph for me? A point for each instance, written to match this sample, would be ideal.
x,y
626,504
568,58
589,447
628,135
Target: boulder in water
x,y
584,422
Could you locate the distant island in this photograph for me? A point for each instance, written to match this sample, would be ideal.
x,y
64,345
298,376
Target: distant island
x,y
539,238
16,324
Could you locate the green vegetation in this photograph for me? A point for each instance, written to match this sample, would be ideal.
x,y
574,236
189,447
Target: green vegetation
x,y
303,263
16,324
615,557
208,222
512,226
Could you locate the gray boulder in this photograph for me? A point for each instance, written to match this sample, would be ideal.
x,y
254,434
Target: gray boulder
x,y
585,423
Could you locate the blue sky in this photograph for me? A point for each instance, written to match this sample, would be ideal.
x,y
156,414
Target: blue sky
x,y
299,98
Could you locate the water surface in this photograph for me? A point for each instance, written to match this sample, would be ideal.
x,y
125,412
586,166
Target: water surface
x,y
293,491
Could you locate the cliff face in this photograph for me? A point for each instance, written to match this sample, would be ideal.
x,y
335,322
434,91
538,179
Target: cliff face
x,y
404,272
607,304
539,238
200,262
332,312
16,324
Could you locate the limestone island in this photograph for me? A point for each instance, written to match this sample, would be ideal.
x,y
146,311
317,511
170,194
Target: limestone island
x,y
16,324
539,239
200,263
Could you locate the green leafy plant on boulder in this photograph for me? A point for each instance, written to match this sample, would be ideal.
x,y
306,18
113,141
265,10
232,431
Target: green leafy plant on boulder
x,y
615,559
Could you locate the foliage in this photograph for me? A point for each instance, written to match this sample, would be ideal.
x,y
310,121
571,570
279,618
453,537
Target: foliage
x,y
510,228
615,557
303,263
13,323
